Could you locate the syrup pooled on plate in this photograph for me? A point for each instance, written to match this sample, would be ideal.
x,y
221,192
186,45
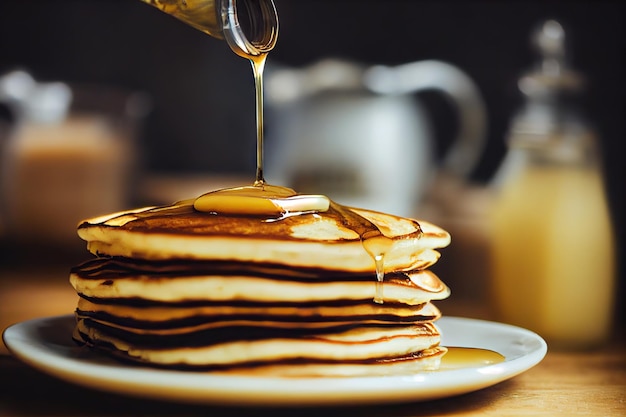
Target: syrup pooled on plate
x,y
463,357
263,200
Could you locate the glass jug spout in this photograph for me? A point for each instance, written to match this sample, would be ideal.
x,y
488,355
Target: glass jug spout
x,y
249,26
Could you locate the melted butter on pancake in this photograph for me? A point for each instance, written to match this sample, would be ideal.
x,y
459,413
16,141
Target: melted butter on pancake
x,y
260,200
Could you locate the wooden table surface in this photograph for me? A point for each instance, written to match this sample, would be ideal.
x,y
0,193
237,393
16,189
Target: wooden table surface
x,y
564,384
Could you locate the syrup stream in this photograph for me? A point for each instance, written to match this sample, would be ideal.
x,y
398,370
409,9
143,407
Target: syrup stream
x,y
380,276
258,64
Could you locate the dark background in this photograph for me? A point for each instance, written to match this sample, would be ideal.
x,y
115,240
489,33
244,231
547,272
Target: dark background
x,y
203,106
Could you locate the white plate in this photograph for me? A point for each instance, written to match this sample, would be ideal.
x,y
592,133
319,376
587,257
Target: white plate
x,y
46,345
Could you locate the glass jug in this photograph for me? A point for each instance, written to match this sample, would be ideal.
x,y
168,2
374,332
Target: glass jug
x,y
250,27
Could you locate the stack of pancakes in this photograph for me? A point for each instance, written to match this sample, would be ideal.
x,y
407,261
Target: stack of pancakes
x,y
178,288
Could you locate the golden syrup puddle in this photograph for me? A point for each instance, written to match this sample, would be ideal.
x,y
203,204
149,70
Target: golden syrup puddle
x,y
464,357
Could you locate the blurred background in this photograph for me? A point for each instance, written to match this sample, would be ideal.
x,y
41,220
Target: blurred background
x,y
194,121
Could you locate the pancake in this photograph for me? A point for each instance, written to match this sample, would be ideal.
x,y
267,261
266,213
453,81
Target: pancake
x,y
334,291
304,241
211,284
358,347
175,319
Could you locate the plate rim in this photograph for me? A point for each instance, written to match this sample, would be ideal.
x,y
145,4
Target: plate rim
x,y
96,371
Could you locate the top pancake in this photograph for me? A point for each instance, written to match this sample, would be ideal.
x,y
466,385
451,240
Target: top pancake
x,y
326,240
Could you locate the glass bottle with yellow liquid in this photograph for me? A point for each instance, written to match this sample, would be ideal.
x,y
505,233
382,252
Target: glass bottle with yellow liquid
x,y
553,252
